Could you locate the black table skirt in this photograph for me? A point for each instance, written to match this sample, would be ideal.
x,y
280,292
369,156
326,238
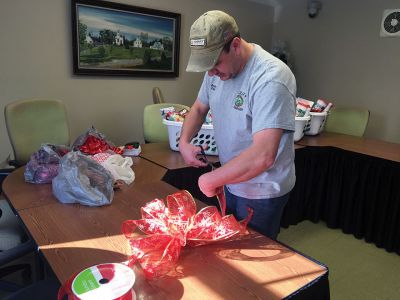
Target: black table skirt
x,y
355,192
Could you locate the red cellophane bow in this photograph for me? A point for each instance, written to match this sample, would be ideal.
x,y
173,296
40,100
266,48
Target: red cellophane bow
x,y
94,145
171,227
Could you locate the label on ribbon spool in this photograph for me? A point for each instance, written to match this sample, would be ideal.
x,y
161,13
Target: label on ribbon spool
x,y
105,281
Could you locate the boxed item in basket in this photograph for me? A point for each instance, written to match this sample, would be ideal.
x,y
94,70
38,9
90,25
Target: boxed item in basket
x,y
204,137
316,123
300,124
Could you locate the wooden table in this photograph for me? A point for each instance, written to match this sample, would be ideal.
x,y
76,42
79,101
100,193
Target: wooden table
x,y
372,147
161,154
72,237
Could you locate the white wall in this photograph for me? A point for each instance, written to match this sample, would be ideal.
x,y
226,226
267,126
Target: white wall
x,y
36,61
340,56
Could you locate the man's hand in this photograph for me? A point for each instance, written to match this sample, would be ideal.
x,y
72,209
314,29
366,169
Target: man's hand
x,y
191,126
190,154
207,187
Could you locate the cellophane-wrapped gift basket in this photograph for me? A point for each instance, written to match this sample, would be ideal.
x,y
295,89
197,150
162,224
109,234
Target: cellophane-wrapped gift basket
x,y
310,117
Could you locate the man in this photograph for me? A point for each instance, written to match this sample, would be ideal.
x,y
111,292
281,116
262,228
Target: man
x,y
251,95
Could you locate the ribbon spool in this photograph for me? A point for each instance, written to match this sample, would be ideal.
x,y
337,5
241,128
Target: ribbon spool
x,y
106,281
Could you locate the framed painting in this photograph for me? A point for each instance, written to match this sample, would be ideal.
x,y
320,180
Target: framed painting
x,y
118,39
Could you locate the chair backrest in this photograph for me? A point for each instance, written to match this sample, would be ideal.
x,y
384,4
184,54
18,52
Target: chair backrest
x,y
32,122
154,130
351,121
157,96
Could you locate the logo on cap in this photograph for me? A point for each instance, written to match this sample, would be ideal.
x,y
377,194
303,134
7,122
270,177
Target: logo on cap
x,y
198,42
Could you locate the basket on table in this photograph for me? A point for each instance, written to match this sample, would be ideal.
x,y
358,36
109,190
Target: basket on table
x,y
300,125
316,123
204,137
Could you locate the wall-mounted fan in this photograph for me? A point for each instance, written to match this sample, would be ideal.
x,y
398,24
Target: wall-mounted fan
x,y
390,25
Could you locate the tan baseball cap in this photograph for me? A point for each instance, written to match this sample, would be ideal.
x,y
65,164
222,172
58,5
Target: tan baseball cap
x,y
208,34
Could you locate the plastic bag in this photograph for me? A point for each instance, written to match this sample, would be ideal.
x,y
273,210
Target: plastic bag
x,y
42,166
82,180
120,168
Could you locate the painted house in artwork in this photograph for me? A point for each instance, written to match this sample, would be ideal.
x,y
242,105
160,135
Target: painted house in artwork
x,y
89,40
157,45
119,39
137,43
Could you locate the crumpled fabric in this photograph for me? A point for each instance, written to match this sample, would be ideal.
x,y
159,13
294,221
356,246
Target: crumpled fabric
x,y
171,227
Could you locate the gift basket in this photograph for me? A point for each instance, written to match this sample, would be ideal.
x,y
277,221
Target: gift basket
x,y
310,117
174,121
316,123
300,124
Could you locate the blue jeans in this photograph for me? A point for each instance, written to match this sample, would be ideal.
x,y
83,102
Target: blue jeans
x,y
267,213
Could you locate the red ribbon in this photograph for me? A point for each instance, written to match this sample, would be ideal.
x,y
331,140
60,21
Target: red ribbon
x,y
94,145
171,227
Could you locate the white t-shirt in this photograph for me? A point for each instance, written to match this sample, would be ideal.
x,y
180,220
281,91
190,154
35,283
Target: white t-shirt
x,y
261,96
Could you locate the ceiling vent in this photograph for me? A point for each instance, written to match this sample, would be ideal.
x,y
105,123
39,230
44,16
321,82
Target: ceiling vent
x,y
390,26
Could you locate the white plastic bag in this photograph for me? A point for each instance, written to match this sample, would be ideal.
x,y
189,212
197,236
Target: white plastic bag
x,y
120,168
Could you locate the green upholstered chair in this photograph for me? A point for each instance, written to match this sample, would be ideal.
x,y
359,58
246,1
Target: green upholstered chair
x,y
154,130
32,122
351,121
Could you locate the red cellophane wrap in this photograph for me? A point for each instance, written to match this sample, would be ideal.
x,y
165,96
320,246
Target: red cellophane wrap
x,y
93,142
169,228
94,145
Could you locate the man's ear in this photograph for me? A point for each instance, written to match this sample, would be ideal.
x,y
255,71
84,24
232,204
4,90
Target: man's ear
x,y
235,45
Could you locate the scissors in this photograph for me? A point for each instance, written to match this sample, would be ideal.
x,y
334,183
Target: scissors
x,y
205,159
